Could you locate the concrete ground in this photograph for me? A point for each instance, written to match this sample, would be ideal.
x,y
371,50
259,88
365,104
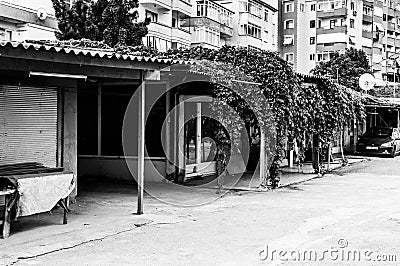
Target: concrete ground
x,y
354,210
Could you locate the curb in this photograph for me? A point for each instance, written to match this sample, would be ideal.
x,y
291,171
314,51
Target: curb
x,y
318,176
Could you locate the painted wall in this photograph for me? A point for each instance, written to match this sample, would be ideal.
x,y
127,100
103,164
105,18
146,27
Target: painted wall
x,y
70,134
32,5
103,167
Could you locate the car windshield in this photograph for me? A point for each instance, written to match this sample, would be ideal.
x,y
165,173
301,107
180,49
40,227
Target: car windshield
x,y
380,132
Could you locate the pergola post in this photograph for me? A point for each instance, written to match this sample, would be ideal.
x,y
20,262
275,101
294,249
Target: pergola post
x,y
141,140
168,125
181,139
198,133
262,158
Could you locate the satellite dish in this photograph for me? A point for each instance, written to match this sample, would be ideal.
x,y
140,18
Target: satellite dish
x,y
366,81
41,13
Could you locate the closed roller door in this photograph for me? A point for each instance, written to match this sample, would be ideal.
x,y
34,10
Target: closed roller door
x,y
28,119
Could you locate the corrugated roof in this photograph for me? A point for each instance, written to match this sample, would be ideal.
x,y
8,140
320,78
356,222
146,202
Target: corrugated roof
x,y
92,52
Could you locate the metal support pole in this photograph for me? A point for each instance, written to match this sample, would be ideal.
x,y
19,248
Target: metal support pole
x,y
141,140
99,120
198,133
263,176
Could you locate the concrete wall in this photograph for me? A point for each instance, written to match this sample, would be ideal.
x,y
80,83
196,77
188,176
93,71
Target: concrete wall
x,y
109,167
70,134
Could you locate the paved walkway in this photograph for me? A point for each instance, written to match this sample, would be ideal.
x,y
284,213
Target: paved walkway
x,y
353,209
106,209
289,176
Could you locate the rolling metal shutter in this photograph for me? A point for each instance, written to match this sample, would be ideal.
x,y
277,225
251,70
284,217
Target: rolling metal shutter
x,y
28,125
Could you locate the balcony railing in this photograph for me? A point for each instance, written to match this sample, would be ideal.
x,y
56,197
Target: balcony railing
x,y
183,6
215,12
391,41
367,34
180,34
336,29
367,18
167,4
340,12
159,28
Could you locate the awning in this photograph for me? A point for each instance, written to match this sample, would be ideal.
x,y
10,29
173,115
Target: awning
x,y
379,27
288,41
332,38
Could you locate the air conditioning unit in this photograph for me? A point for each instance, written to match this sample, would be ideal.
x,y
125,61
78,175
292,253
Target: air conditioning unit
x,y
354,13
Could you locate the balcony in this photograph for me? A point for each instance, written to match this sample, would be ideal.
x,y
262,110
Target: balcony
x,y
181,35
367,34
367,18
390,26
183,6
391,41
389,11
340,12
215,12
336,29
159,29
159,4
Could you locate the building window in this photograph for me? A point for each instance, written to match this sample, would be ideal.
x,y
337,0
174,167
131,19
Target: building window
x,y
312,57
250,30
289,7
352,6
324,56
312,24
152,16
5,35
288,40
319,24
301,7
367,10
289,24
312,7
289,57
312,40
352,23
266,15
332,23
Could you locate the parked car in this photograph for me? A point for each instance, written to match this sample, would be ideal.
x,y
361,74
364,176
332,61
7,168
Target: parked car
x,y
380,140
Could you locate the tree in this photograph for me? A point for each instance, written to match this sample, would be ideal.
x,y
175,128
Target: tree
x,y
346,68
111,21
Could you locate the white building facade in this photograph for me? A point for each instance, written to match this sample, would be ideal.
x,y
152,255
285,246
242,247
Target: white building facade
x,y
310,31
165,29
27,20
212,24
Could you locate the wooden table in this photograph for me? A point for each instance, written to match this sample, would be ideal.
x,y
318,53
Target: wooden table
x,y
5,219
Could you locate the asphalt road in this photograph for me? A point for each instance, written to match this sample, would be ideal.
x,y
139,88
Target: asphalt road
x,y
349,217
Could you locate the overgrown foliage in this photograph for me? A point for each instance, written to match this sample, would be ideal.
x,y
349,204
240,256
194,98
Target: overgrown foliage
x,y
111,21
299,111
301,106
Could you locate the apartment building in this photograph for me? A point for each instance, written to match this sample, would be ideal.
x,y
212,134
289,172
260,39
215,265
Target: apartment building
x,y
255,23
310,31
27,20
166,30
183,23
